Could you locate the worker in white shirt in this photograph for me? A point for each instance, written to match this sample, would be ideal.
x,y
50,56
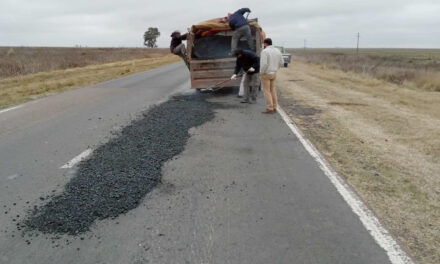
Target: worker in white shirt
x,y
271,60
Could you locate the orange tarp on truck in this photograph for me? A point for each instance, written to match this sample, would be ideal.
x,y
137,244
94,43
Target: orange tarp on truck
x,y
213,26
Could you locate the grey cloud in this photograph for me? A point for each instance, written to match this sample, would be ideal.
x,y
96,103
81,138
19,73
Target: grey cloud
x,y
324,23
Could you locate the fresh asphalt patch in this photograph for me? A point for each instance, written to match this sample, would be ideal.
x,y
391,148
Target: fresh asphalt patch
x,y
119,173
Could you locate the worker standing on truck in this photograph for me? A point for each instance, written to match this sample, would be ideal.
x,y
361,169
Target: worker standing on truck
x,y
271,61
250,63
241,28
177,47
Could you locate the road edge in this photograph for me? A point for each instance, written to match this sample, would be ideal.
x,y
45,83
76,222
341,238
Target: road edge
x,y
17,106
379,233
115,77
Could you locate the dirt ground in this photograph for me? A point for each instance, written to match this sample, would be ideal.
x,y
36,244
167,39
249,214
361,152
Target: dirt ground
x,y
382,138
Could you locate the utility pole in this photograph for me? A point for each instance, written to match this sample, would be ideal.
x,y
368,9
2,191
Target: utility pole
x,y
357,47
305,41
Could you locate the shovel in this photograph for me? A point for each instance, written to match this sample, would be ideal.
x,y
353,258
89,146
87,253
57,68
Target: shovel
x,y
222,82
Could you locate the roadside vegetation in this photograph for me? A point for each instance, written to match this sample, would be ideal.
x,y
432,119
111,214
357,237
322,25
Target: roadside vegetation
x,y
410,68
380,134
15,61
29,73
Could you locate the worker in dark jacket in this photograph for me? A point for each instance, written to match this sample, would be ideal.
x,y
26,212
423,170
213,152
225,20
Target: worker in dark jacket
x,y
241,28
177,47
250,63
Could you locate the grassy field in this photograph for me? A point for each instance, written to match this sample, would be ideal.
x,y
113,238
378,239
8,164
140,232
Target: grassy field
x,y
382,136
15,61
43,71
411,68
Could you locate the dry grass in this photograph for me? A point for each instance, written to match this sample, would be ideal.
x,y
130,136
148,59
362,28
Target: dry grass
x,y
15,61
19,89
383,138
413,68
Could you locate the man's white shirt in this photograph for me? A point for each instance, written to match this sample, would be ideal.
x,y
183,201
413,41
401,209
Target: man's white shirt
x,y
271,60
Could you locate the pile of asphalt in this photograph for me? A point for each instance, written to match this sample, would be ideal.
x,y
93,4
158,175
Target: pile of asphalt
x,y
121,172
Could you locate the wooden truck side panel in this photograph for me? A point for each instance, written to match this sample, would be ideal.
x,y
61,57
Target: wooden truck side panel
x,y
206,73
209,72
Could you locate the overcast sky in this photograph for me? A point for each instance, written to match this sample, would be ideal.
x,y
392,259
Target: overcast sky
x,y
324,23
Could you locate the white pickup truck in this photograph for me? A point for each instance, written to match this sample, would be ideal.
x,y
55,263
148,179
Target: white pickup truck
x,y
286,56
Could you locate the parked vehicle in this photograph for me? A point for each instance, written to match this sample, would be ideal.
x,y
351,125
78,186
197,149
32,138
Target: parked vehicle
x,y
286,56
209,53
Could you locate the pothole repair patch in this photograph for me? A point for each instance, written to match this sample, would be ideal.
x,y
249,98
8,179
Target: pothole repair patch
x,y
121,172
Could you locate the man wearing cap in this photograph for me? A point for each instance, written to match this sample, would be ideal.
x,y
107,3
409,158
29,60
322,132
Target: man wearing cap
x,y
271,61
177,47
241,28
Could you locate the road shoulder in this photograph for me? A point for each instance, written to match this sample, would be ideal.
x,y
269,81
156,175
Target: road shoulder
x,y
376,137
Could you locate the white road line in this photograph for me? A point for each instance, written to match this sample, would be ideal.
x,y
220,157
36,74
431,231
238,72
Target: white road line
x,y
10,108
77,159
368,219
13,176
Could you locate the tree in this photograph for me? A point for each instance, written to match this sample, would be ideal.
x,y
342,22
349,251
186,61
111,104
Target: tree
x,y
150,37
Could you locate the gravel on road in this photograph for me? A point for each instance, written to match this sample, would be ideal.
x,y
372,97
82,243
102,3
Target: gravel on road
x,y
116,178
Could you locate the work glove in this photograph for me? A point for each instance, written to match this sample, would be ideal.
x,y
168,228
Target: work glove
x,y
251,69
234,77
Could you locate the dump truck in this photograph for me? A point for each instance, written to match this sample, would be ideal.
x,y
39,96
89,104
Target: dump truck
x,y
209,54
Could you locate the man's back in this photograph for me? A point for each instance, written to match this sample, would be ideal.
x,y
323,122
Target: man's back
x,y
237,20
248,59
271,60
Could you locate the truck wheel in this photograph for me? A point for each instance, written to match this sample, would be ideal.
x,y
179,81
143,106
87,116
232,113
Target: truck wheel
x,y
285,64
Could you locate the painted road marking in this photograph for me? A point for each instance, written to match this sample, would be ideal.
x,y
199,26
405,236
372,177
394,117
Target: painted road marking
x,y
13,176
77,159
10,108
368,219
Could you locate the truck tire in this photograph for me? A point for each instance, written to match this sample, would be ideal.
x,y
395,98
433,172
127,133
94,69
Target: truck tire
x,y
286,64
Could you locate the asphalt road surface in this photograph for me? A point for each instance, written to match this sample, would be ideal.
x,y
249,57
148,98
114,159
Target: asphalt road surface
x,y
244,189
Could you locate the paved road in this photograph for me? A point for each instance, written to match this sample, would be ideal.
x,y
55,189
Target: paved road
x,y
243,191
